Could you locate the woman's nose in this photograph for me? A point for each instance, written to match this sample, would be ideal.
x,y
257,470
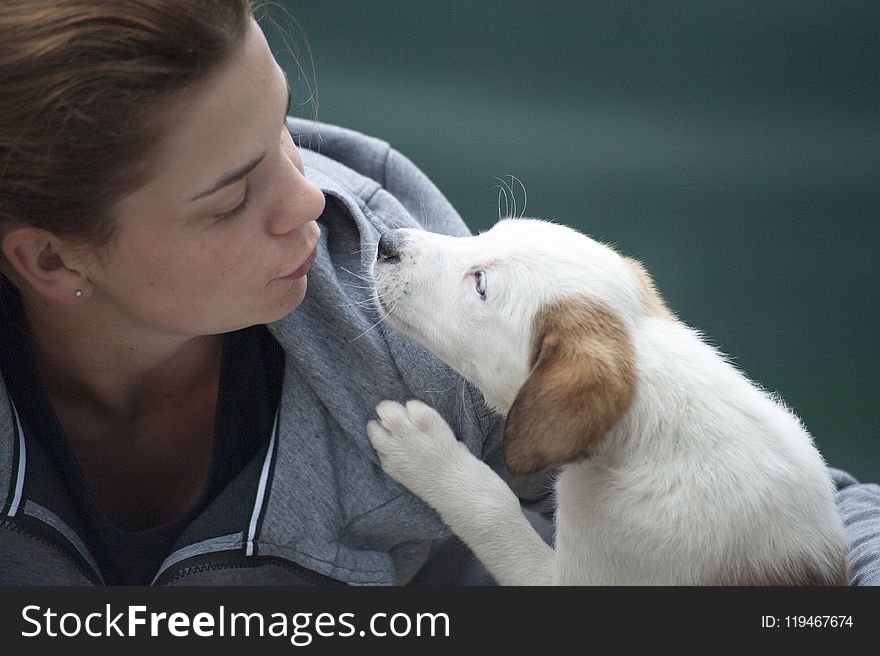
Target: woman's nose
x,y
299,202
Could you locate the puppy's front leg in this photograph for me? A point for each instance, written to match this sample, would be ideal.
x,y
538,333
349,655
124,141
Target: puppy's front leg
x,y
418,449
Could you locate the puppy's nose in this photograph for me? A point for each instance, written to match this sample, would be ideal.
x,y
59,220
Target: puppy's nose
x,y
389,245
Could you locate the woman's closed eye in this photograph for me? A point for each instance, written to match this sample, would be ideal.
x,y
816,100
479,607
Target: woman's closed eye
x,y
238,209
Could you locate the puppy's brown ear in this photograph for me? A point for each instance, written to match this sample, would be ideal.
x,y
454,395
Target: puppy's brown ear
x,y
582,380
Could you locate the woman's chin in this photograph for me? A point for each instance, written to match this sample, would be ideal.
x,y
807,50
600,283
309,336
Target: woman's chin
x,y
291,299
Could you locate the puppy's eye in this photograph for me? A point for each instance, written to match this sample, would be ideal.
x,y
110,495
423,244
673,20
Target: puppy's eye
x,y
480,283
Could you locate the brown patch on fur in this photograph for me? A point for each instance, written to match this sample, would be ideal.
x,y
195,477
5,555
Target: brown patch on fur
x,y
653,302
582,380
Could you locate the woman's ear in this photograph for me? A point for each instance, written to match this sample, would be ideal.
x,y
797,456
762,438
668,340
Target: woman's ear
x,y
37,257
582,381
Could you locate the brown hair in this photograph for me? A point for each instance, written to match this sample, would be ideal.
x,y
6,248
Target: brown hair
x,y
83,85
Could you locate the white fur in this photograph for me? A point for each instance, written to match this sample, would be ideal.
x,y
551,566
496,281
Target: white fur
x,y
704,476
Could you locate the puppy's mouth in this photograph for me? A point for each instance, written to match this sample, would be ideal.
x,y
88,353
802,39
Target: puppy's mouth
x,y
387,301
389,287
382,296
385,306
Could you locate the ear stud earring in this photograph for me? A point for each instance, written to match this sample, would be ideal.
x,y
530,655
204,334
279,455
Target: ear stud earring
x,y
78,293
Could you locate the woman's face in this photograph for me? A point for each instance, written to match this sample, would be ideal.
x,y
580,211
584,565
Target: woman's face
x,y
223,234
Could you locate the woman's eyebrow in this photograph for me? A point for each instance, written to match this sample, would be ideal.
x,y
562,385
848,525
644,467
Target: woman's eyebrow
x,y
227,180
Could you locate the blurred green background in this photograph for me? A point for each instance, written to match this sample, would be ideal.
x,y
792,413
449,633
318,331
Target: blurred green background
x,y
733,147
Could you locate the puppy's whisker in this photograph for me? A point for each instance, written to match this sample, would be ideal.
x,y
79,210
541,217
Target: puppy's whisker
x,y
525,194
362,302
357,275
386,301
381,319
513,200
364,305
502,192
509,199
371,246
353,286
387,219
441,391
400,222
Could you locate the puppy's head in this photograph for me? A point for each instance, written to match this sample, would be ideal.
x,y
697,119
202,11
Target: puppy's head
x,y
535,314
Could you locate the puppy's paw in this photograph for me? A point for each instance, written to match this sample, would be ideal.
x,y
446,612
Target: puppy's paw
x,y
414,443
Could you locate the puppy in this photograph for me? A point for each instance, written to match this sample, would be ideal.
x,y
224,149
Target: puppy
x,y
675,469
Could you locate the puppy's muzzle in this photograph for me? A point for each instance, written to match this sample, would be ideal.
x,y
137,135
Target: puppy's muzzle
x,y
390,244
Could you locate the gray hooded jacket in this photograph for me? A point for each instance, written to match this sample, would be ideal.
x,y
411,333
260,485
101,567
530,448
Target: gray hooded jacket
x,y
315,506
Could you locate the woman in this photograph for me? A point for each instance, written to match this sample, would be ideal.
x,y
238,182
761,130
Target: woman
x,y
177,410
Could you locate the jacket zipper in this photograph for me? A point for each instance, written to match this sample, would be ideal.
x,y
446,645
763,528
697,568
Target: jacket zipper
x,y
307,575
82,568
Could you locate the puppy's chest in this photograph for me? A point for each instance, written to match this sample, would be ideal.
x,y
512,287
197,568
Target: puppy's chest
x,y
603,529
584,491
595,498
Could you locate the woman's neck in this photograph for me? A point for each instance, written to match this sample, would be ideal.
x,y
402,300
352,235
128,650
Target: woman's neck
x,y
137,407
123,370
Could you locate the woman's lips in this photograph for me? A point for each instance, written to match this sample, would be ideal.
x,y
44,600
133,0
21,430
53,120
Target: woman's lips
x,y
304,267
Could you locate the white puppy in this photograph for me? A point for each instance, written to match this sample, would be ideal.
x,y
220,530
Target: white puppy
x,y
676,469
